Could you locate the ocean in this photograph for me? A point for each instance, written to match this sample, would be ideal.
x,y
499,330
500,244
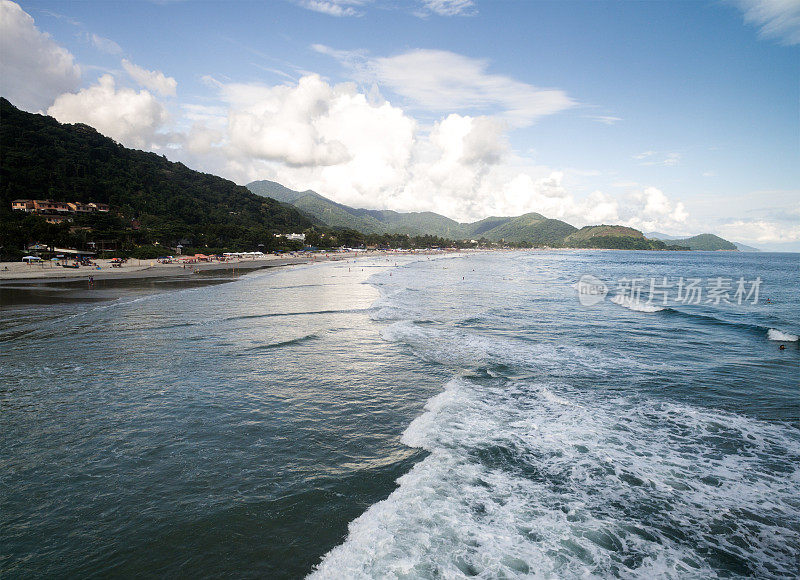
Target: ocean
x,y
545,414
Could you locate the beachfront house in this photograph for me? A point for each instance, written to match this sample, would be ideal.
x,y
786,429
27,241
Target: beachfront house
x,y
48,207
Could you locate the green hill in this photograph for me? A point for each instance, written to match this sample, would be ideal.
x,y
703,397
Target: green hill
x,y
418,223
588,232
708,242
479,228
328,212
152,200
531,229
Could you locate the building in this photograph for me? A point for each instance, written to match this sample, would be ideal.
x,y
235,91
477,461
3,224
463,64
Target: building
x,y
48,207
299,237
23,205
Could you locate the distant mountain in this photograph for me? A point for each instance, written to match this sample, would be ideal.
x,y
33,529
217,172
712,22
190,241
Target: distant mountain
x,y
743,248
330,213
706,242
660,236
530,229
616,237
588,232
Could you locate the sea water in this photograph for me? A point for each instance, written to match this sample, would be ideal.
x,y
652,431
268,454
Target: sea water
x,y
468,416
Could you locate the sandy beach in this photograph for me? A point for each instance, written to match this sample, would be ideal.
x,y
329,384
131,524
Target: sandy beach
x,y
140,269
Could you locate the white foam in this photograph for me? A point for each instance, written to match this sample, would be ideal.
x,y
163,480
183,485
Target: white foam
x,y
519,483
631,304
775,334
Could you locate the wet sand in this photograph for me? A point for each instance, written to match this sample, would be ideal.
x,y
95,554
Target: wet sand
x,y
25,285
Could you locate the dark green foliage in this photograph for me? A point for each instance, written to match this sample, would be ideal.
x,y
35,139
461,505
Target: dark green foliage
x,y
624,243
708,242
43,159
531,230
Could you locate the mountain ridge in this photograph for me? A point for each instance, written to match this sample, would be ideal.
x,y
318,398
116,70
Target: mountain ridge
x,y
527,229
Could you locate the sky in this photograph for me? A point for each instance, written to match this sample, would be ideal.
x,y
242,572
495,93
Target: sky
x,y
675,117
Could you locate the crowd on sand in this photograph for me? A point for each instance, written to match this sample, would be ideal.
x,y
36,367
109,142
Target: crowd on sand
x,y
133,268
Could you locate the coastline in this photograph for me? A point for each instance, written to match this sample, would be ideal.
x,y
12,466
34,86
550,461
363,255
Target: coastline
x,y
23,285
141,269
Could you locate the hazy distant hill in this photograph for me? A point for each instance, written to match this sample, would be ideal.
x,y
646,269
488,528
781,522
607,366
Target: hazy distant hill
x,y
708,242
532,228
332,214
528,229
660,236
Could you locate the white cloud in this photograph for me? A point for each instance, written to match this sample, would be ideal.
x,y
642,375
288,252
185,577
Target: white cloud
x,y
450,7
444,81
333,7
761,231
606,119
151,79
33,68
130,117
361,150
104,44
776,19
650,209
658,159
283,123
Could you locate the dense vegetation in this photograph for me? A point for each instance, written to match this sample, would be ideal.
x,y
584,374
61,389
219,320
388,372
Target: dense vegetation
x,y
625,243
153,201
708,242
525,231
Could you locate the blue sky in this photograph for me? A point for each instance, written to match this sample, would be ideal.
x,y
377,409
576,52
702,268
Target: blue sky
x,y
679,117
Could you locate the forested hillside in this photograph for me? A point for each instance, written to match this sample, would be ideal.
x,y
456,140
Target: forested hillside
x,y
152,199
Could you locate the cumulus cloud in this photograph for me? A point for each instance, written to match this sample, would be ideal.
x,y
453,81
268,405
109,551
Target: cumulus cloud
x,y
283,123
151,79
761,231
130,117
33,68
439,80
361,150
776,19
650,209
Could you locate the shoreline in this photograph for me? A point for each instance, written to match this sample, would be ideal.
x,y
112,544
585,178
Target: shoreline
x,y
142,269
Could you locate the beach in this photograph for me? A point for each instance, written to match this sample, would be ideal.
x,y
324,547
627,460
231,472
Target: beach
x,y
134,268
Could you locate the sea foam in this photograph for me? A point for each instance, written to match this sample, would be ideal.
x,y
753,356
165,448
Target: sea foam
x,y
637,305
517,483
775,334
